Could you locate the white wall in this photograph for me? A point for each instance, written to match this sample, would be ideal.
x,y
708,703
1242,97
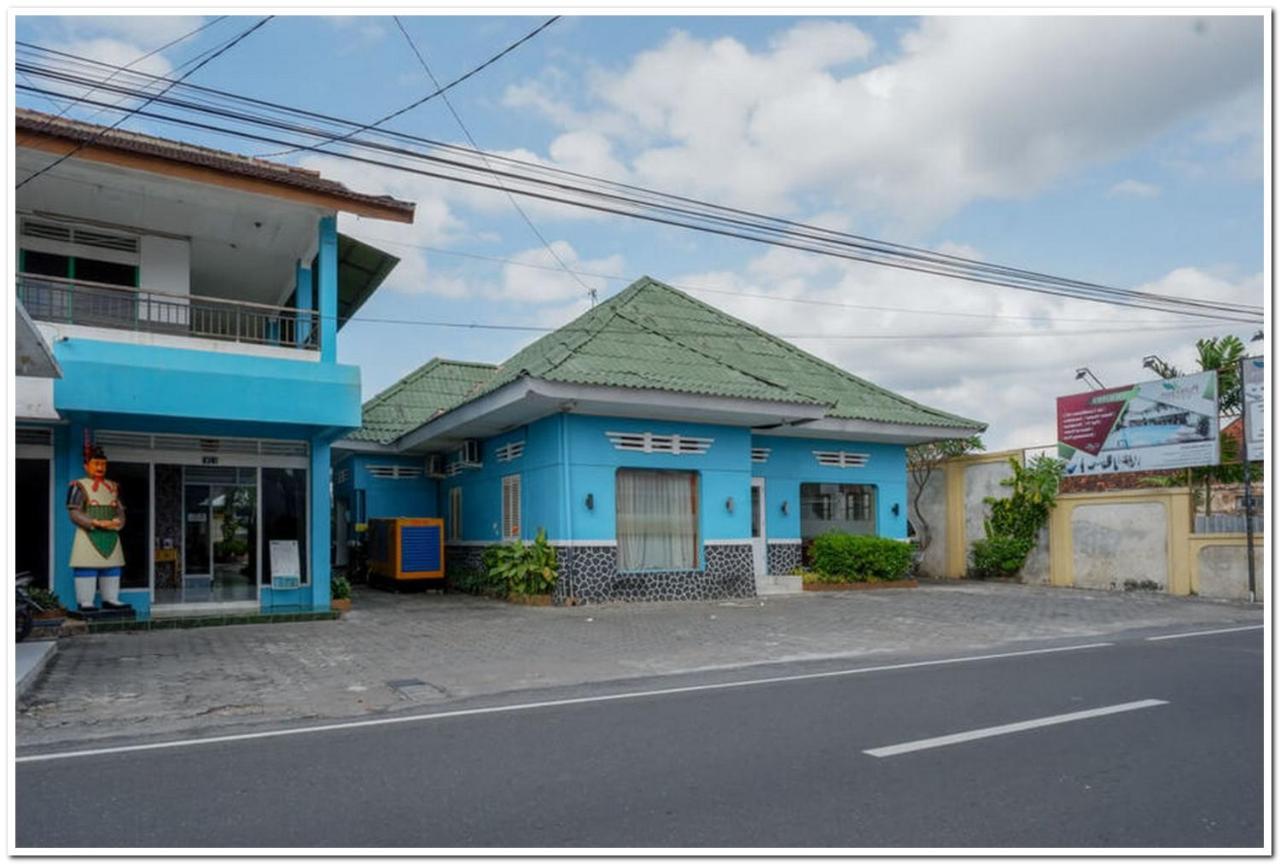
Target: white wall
x,y
166,265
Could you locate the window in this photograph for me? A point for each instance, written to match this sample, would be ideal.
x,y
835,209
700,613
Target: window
x,y
657,517
455,513
78,268
284,514
849,508
511,507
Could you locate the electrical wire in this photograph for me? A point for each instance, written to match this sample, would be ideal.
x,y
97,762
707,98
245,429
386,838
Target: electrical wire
x,y
591,292
809,238
933,257
215,55
439,91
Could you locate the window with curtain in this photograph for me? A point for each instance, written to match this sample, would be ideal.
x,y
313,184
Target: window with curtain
x,y
657,518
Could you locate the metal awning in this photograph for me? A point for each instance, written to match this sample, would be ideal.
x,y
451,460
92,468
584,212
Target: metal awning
x,y
35,359
361,269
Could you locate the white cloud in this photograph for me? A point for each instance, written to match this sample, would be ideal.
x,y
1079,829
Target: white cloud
x,y
1008,382
525,284
1134,189
973,107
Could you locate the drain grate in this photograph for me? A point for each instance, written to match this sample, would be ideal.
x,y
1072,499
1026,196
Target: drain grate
x,y
416,690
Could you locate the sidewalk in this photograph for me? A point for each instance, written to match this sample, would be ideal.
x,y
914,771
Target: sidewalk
x,y
398,651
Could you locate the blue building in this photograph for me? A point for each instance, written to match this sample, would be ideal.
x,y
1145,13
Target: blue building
x,y
192,299
668,449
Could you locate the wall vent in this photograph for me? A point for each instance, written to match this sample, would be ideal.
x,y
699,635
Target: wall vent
x,y
45,231
80,236
198,444
395,472
841,458
33,437
342,475
760,454
510,451
647,442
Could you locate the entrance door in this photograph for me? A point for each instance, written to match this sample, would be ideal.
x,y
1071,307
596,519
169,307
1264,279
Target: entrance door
x,y
759,547
220,539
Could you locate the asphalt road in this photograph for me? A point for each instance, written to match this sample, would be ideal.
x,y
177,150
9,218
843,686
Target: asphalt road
x,y
774,764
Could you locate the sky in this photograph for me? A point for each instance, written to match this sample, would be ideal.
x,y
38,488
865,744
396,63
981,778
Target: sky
x,y
1124,150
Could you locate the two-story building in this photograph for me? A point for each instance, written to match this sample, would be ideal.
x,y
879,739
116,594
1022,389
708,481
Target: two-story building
x,y
192,299
669,450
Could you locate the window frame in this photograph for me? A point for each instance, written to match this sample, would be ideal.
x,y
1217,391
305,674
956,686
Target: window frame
x,y
455,513
511,492
694,479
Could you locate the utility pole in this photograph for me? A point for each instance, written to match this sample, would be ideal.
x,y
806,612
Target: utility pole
x,y
1248,484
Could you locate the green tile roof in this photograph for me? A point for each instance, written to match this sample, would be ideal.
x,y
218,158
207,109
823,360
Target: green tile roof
x,y
652,336
425,392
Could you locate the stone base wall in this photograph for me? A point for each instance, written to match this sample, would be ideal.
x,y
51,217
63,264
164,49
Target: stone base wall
x,y
591,574
782,558
462,558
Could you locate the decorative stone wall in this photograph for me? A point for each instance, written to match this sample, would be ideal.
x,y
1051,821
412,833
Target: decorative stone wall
x,y
593,572
782,558
458,558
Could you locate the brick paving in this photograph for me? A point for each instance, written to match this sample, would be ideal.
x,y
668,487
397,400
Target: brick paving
x,y
434,648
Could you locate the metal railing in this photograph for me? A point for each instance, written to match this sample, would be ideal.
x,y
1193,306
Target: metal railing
x,y
94,304
1226,523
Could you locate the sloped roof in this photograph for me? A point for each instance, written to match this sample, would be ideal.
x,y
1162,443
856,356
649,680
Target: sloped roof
x,y
35,123
652,336
424,393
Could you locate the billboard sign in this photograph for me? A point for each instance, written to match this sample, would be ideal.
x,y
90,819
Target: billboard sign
x,y
1254,382
1168,423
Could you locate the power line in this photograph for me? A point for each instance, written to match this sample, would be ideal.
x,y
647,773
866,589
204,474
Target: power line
x,y
215,55
809,239
439,91
932,258
154,51
756,295
591,292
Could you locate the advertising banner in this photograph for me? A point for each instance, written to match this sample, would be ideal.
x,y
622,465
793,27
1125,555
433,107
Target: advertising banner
x,y
1169,423
1254,382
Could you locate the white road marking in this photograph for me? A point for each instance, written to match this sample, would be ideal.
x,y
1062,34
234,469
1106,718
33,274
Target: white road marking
x,y
552,703
1007,728
1205,632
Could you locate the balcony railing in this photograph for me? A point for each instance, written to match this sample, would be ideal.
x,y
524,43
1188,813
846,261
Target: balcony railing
x,y
93,304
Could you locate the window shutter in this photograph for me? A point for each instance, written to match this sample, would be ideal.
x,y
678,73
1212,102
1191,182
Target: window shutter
x,y
511,507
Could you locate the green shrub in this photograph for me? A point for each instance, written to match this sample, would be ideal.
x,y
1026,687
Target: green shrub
x,y
45,599
339,587
997,556
858,558
477,581
524,569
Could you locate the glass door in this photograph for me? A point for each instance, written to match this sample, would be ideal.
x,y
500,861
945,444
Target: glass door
x,y
220,536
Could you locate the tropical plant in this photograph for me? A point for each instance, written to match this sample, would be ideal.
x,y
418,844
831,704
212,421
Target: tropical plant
x,y
339,587
922,461
524,568
1011,530
45,599
841,557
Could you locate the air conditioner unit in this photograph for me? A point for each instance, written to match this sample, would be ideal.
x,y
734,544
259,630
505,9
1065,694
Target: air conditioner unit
x,y
435,465
469,454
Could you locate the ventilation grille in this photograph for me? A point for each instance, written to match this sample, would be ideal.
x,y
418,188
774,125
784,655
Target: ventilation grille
x,y
395,472
80,236
760,454
196,444
342,476
33,437
453,469
840,458
508,452
647,442
216,476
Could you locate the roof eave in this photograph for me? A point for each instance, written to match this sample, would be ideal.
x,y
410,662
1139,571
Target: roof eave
x,y
873,430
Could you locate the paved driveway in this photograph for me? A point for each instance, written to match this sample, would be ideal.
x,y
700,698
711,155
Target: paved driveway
x,y
398,651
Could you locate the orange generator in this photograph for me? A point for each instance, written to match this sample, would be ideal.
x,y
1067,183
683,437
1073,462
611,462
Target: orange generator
x,y
407,551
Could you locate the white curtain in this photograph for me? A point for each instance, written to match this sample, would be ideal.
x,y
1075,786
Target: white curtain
x,y
657,520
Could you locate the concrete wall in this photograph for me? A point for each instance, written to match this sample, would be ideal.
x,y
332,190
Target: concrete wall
x,y
1099,540
1112,544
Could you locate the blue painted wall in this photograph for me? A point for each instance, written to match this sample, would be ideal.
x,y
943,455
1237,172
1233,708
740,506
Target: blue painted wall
x,y
386,498
118,378
541,481
791,462
554,492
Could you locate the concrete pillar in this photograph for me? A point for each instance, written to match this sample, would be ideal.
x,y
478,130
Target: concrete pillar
x,y
327,302
303,303
318,516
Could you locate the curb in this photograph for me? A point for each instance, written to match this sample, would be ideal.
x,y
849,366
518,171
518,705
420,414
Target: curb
x,y
29,678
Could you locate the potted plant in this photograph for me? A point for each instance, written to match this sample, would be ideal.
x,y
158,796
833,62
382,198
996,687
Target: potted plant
x,y
340,594
49,611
